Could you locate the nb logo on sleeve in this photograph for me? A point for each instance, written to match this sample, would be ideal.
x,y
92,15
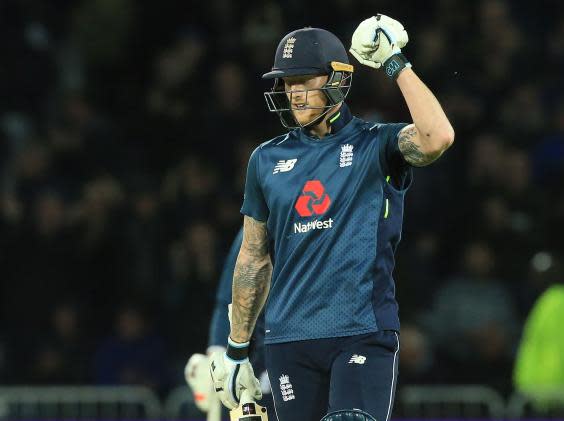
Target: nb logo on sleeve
x,y
284,166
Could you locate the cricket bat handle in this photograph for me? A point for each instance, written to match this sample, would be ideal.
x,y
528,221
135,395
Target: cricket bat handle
x,y
248,410
246,398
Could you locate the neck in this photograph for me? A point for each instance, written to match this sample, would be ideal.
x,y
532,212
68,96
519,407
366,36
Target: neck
x,y
323,128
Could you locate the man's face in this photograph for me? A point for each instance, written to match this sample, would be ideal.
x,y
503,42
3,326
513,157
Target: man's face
x,y
300,100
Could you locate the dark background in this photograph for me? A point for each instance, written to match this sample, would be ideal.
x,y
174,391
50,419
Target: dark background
x,y
125,128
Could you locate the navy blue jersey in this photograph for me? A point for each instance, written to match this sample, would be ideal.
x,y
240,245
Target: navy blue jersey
x,y
335,219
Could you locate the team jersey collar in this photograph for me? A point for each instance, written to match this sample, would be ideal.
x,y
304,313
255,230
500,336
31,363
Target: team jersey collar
x,y
344,133
340,118
337,120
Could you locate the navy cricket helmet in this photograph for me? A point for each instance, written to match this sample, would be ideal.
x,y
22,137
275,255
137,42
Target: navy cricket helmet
x,y
348,415
308,51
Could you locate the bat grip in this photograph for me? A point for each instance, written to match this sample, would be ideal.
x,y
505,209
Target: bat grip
x,y
246,397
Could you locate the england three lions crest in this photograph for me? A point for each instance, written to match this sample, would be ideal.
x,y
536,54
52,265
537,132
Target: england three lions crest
x,y
346,157
289,48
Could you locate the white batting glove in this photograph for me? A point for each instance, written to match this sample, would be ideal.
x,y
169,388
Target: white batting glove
x,y
197,375
377,39
231,377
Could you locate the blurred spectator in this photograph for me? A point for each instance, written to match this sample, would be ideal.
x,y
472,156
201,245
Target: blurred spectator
x,y
195,255
41,267
484,169
505,205
416,357
229,100
500,41
28,69
134,354
61,355
261,32
423,272
176,75
98,222
556,43
473,322
144,243
189,190
3,356
548,154
11,212
82,142
31,172
523,125
189,294
431,46
100,30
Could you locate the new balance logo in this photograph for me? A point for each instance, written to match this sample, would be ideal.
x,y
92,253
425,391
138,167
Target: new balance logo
x,y
357,359
284,166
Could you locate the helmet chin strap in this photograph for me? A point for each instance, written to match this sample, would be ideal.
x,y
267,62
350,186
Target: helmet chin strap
x,y
320,118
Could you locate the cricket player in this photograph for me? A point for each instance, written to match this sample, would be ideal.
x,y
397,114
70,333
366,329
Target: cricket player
x,y
328,197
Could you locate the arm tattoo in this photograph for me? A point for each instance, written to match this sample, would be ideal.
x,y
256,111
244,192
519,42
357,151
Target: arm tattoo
x,y
410,149
255,237
251,280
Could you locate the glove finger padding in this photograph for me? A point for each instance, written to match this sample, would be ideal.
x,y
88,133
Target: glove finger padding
x,y
364,61
378,38
364,35
219,377
246,380
397,31
231,378
197,376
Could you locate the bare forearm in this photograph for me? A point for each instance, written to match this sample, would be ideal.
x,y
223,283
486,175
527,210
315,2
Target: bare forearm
x,y
251,283
251,279
435,131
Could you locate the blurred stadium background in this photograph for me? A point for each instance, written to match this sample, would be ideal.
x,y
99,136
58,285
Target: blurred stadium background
x,y
125,128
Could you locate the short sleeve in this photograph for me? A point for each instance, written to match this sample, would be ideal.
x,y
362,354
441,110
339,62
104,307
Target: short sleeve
x,y
254,204
391,158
